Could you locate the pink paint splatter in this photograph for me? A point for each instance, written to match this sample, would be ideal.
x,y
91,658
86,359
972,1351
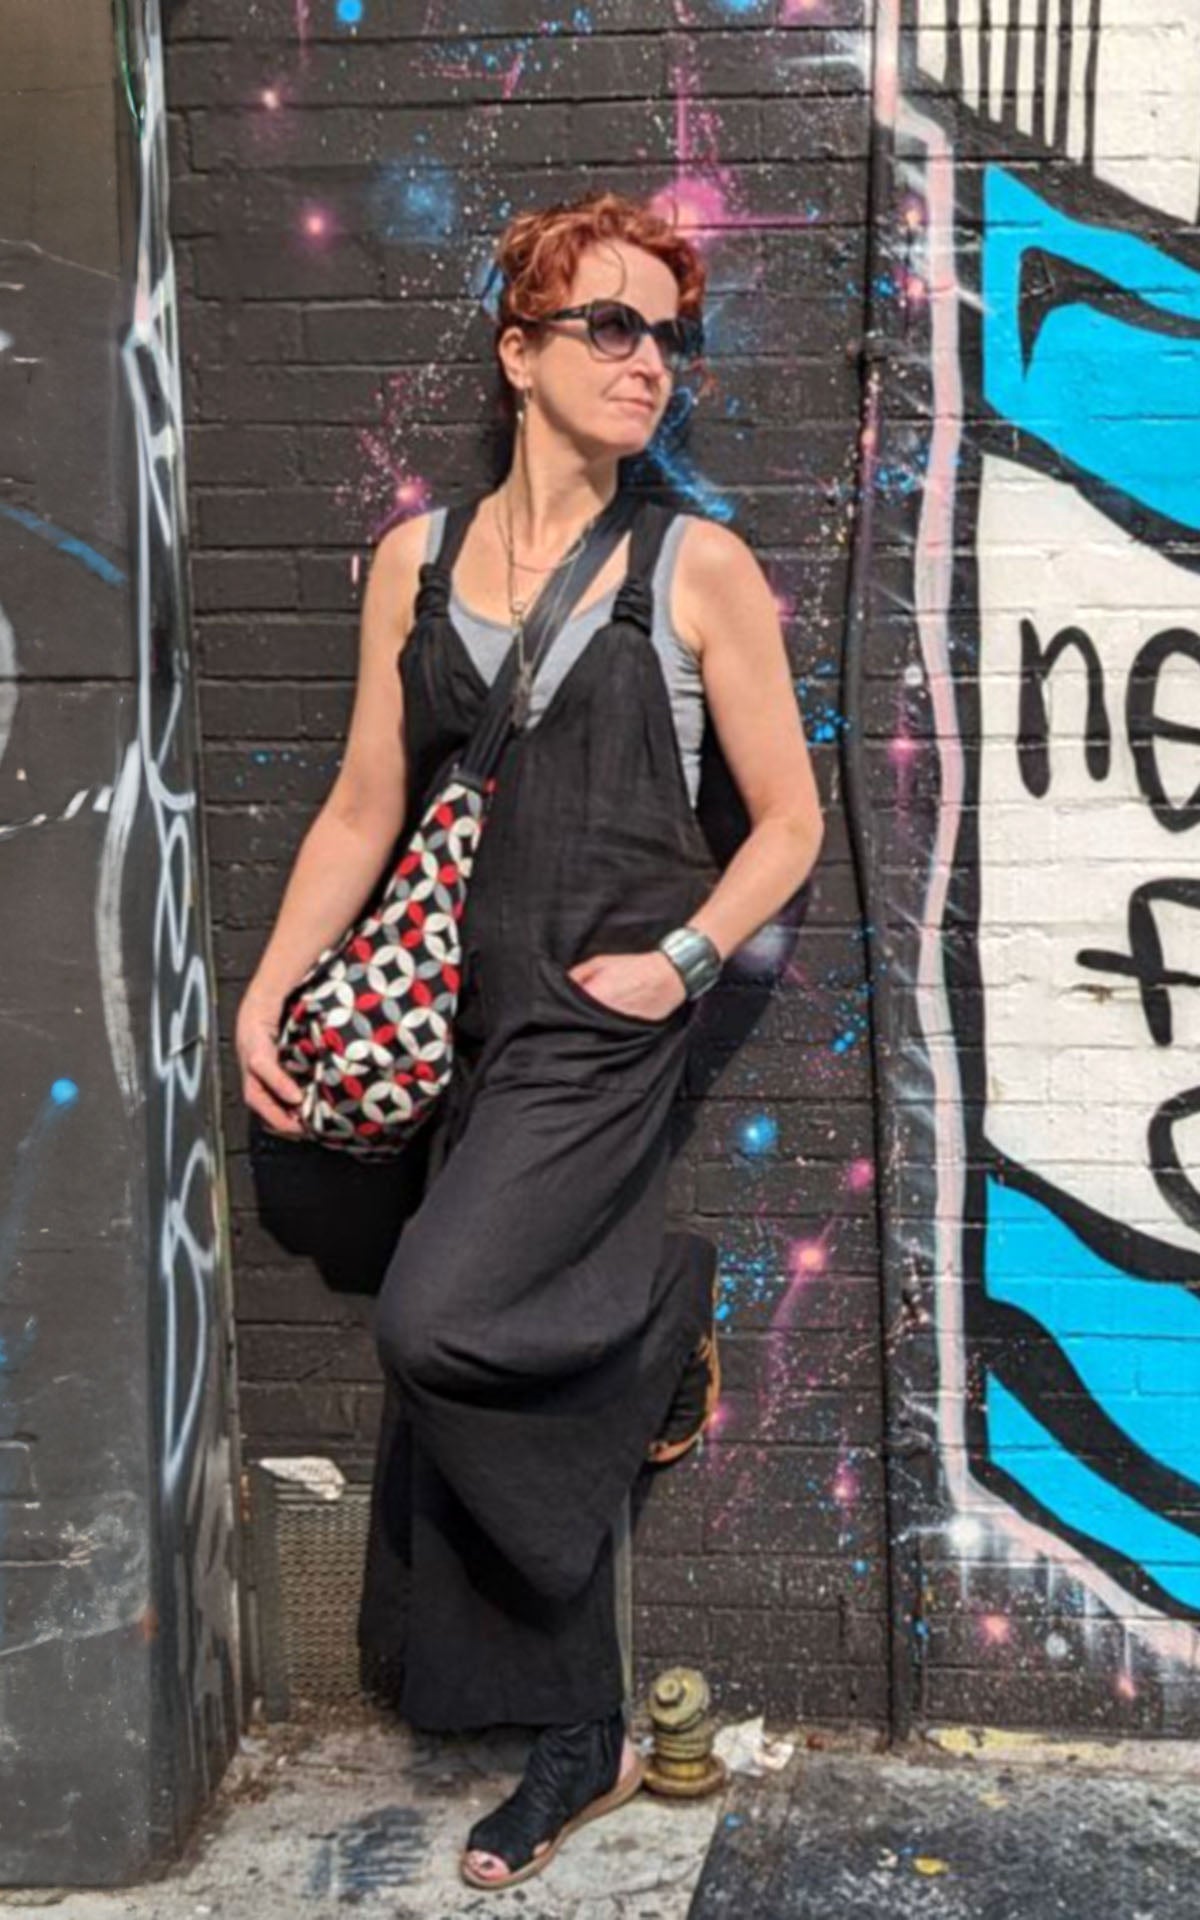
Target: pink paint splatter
x,y
860,1175
692,204
902,753
511,75
386,490
722,1419
845,1486
807,1261
808,1257
316,223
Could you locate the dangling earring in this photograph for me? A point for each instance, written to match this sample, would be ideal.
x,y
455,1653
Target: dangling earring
x,y
523,409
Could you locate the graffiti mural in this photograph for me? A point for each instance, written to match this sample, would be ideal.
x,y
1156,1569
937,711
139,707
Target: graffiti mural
x,y
1042,383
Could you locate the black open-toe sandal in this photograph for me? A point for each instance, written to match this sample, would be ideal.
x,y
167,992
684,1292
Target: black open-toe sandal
x,y
572,1776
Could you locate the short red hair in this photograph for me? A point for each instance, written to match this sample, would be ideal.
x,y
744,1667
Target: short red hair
x,y
539,251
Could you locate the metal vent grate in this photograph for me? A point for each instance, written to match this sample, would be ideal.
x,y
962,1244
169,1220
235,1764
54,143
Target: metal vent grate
x,y
308,1545
309,1541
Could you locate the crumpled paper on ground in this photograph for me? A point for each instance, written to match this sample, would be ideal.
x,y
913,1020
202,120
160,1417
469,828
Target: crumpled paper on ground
x,y
323,1478
746,1749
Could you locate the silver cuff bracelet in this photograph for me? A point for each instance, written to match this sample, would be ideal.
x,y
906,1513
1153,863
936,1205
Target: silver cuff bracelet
x,y
694,957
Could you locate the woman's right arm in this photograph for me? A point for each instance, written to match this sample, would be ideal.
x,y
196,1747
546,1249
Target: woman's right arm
x,y
343,852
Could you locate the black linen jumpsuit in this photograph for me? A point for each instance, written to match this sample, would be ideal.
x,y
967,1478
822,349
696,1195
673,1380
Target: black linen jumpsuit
x,y
535,1315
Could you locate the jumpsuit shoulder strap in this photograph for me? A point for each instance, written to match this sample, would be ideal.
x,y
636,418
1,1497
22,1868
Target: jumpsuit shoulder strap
x,y
454,529
432,599
635,600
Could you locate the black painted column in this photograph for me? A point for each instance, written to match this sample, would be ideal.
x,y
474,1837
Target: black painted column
x,y
119,1696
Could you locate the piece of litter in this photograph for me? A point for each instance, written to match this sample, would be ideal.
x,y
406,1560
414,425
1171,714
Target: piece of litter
x,y
746,1749
926,1863
320,1476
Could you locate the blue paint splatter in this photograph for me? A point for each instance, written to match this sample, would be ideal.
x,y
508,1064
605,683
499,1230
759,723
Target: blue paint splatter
x,y
414,200
747,1275
666,459
849,1037
759,1134
349,12
67,543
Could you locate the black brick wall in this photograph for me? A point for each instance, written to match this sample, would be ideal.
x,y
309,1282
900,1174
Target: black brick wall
x,y
314,369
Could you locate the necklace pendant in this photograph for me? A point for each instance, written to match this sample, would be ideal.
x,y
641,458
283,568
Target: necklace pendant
x,y
521,694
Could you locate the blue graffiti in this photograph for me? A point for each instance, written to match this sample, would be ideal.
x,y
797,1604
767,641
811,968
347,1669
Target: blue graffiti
x,y
68,543
1082,1499
1135,1343
1091,342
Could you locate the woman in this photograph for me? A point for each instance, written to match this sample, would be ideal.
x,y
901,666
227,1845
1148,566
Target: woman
x,y
539,1327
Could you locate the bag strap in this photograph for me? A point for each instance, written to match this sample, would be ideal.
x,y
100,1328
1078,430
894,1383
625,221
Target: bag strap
x,y
542,629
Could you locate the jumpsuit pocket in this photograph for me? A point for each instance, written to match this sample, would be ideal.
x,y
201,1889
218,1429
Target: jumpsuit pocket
x,y
600,1010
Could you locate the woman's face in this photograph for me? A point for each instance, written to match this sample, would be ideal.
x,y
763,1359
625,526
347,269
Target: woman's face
x,y
610,407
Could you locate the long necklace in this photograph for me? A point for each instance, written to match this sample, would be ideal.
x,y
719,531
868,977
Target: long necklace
x,y
519,607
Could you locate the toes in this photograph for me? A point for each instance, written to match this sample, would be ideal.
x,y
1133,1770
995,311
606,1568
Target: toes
x,y
488,1863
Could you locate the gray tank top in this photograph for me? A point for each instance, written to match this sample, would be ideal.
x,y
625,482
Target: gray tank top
x,y
487,642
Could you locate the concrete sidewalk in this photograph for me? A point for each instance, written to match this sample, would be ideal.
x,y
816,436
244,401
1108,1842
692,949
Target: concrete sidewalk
x,y
349,1810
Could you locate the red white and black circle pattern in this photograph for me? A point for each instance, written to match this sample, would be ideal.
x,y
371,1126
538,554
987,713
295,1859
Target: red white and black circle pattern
x,y
369,1031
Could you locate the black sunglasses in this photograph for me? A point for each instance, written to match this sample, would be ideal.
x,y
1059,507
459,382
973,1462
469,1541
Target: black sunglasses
x,y
616,329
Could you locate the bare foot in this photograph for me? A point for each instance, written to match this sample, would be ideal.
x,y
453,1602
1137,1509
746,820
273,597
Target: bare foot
x,y
494,1868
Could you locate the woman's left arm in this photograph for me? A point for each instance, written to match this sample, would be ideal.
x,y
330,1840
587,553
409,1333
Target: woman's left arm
x,y
727,608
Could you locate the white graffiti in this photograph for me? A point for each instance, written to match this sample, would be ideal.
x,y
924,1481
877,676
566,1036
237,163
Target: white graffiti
x,y
121,804
190,1258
